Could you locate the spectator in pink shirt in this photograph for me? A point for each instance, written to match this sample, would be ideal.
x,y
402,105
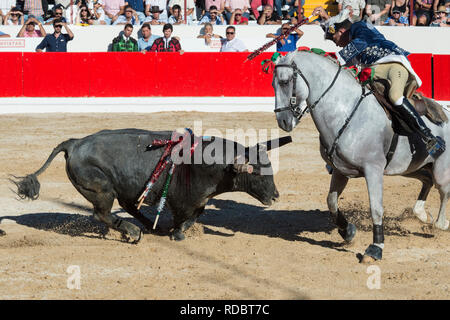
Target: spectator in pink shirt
x,y
256,3
220,5
28,29
113,9
232,5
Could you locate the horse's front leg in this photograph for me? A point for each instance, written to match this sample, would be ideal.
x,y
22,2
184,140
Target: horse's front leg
x,y
337,185
374,181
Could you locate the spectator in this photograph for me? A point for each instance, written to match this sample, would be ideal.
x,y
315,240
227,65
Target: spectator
x,y
213,16
155,16
293,7
84,16
322,15
147,39
255,4
57,14
232,5
231,43
200,8
189,4
238,18
423,12
378,11
396,19
4,35
210,37
113,9
286,43
28,29
97,13
5,7
445,3
269,16
125,42
357,8
400,5
219,4
294,16
129,17
14,17
139,7
167,43
57,41
34,8
162,4
441,19
177,17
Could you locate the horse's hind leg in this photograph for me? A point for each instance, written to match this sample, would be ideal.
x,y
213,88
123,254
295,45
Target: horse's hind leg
x,y
337,185
425,176
441,174
442,222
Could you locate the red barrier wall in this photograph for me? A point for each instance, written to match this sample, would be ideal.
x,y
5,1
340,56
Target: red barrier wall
x,y
116,74
441,77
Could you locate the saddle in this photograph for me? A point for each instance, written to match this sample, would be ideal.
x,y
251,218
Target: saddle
x,y
423,105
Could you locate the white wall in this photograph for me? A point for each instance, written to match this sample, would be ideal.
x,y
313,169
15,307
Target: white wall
x,y
97,38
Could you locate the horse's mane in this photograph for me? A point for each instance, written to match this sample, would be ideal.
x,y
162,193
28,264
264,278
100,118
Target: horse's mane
x,y
288,59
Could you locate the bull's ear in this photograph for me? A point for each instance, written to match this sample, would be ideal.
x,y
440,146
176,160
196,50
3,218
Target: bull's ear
x,y
275,143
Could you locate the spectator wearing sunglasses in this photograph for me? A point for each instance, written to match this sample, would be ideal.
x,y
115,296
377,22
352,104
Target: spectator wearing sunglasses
x,y
130,16
287,43
238,18
441,19
213,16
84,16
231,43
57,14
5,7
13,18
57,41
232,5
28,30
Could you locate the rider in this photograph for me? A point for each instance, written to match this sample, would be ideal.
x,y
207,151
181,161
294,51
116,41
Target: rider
x,y
363,44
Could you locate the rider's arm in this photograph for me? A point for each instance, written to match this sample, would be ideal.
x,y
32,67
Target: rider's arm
x,y
351,51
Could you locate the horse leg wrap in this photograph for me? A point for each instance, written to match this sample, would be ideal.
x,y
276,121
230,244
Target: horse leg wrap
x,y
341,222
378,236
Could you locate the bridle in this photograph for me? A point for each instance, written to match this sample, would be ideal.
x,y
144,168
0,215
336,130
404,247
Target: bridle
x,y
293,101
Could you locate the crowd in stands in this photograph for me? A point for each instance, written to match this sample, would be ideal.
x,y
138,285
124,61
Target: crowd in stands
x,y
33,14
216,12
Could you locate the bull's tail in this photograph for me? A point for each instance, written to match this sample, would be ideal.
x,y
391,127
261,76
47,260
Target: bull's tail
x,y
28,186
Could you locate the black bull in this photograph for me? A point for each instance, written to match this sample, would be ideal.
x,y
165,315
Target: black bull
x,y
117,164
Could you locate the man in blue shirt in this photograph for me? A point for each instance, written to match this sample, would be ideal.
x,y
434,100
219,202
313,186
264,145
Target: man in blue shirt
x,y
57,41
286,43
364,45
147,39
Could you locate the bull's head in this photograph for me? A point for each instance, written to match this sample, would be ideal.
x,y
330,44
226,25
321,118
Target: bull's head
x,y
254,174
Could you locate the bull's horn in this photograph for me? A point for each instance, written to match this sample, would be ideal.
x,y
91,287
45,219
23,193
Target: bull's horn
x,y
278,142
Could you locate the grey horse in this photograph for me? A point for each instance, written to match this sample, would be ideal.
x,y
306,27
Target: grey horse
x,y
355,138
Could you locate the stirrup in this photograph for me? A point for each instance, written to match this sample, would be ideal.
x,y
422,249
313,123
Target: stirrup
x,y
435,147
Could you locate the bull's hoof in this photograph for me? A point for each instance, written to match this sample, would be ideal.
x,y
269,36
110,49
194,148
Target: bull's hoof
x,y
177,235
136,239
2,233
349,233
372,254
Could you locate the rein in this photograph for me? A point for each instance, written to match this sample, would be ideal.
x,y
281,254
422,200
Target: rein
x,y
293,101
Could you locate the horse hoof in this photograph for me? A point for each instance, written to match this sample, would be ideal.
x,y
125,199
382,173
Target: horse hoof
x,y
349,233
2,233
138,238
372,253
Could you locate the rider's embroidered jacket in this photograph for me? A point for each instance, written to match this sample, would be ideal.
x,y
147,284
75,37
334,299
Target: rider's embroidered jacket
x,y
368,46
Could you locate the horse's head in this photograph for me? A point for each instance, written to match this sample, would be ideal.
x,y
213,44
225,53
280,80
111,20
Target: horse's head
x,y
291,92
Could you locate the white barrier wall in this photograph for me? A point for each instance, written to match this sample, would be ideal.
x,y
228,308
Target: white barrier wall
x,y
97,38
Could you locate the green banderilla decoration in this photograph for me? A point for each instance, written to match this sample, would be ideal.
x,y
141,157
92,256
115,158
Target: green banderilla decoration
x,y
162,202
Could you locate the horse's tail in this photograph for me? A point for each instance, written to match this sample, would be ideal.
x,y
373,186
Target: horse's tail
x,y
28,186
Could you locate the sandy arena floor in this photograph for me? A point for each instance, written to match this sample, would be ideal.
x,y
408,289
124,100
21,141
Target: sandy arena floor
x,y
238,250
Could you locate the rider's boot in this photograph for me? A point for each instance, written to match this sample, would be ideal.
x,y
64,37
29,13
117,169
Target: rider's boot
x,y
435,145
